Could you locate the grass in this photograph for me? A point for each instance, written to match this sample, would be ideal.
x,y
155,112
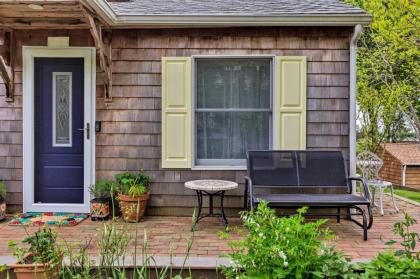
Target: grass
x,y
411,195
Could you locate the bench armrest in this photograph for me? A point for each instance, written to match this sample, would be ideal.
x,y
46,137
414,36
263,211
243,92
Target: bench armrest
x,y
365,187
249,191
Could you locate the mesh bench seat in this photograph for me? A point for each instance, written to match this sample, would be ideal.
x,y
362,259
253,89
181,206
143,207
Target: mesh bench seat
x,y
288,176
313,199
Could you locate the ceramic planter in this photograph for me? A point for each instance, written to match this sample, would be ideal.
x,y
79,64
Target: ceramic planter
x,y
99,209
2,209
39,271
129,205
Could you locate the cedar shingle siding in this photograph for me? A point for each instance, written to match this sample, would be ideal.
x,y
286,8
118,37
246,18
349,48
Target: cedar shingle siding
x,y
131,124
392,169
395,156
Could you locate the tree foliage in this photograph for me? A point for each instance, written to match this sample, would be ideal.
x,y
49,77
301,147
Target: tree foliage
x,y
388,71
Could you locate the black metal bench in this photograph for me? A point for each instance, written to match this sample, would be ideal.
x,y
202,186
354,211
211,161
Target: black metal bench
x,y
292,179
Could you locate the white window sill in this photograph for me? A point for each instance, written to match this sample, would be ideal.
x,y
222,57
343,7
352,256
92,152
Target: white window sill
x,y
219,168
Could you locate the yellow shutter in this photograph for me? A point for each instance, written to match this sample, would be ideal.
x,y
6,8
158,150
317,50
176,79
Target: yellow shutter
x,y
290,103
176,112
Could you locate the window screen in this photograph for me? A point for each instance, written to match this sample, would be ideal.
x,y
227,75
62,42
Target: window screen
x,y
232,109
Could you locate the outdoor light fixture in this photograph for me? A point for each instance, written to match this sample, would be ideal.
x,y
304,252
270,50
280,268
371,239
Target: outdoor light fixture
x,y
35,7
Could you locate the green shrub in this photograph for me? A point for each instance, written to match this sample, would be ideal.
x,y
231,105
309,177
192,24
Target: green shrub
x,y
389,266
103,189
3,190
285,248
403,263
133,184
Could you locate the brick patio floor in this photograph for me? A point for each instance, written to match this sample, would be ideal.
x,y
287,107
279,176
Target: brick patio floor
x,y
170,235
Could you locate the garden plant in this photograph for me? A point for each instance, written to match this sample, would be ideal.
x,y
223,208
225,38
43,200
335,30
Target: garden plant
x,y
103,192
275,247
133,195
41,257
113,253
402,263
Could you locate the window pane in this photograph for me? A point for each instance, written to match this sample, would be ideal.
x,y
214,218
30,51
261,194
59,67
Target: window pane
x,y
62,92
233,83
228,135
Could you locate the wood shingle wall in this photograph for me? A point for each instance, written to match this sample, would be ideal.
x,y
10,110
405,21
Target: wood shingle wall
x,y
392,169
130,137
412,175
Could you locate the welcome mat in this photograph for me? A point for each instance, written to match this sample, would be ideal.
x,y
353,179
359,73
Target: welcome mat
x,y
48,218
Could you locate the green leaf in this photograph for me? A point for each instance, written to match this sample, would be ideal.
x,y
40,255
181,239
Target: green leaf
x,y
390,242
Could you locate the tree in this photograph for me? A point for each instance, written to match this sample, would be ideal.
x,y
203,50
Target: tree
x,y
389,71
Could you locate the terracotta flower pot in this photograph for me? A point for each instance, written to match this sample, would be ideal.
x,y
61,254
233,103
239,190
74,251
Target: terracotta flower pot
x,y
129,205
36,270
99,209
2,209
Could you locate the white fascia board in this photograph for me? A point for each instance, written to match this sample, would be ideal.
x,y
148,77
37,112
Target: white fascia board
x,y
223,21
170,21
104,9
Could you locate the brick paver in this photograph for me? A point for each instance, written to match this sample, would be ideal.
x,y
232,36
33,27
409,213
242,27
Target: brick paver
x,y
170,235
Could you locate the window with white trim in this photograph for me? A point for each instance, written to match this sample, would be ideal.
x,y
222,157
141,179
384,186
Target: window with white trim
x,y
233,109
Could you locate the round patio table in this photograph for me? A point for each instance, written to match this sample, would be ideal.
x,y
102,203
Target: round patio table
x,y
210,188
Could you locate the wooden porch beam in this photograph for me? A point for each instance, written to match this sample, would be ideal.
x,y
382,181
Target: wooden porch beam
x,y
86,6
7,62
103,48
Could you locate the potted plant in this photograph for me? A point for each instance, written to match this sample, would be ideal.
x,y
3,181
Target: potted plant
x,y
41,258
102,192
133,195
3,191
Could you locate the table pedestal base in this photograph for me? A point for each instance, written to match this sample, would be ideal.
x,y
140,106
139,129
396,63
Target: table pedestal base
x,y
199,215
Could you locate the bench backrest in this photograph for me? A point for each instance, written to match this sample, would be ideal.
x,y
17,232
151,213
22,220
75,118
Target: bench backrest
x,y
272,168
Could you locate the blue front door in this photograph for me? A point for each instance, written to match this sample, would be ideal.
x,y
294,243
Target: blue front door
x,y
59,133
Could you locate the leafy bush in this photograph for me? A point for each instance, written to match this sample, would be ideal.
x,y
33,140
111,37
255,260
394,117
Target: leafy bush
x,y
403,263
133,184
42,246
3,191
389,266
285,248
103,189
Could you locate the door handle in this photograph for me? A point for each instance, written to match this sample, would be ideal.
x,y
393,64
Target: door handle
x,y
87,130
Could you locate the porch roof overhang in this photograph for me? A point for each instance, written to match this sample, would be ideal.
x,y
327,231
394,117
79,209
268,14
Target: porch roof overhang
x,y
190,20
51,14
68,14
43,14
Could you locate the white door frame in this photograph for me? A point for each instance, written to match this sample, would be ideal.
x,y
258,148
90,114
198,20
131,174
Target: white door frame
x,y
28,55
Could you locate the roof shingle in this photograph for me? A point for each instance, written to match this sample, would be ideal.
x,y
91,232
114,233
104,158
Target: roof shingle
x,y
405,152
234,7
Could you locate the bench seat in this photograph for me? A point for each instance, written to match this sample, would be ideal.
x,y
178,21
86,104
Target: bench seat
x,y
313,199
